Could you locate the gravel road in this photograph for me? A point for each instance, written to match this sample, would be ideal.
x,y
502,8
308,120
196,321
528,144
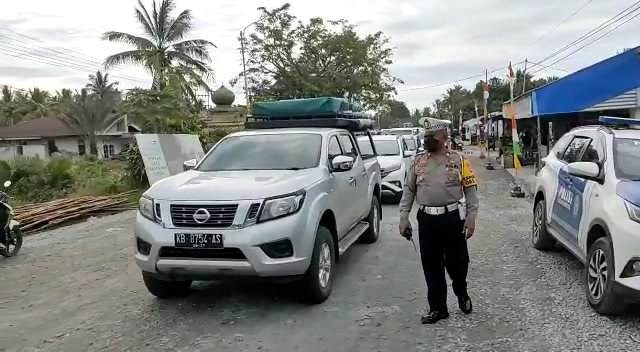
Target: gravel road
x,y
78,289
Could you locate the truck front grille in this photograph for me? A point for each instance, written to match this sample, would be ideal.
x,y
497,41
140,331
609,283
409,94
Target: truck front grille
x,y
219,216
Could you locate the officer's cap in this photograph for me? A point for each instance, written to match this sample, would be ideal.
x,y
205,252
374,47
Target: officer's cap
x,y
431,125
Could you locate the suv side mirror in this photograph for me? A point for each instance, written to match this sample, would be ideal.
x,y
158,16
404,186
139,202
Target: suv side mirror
x,y
7,184
585,169
189,164
342,163
409,153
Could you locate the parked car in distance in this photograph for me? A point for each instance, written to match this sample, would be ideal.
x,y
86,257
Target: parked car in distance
x,y
269,203
394,157
588,200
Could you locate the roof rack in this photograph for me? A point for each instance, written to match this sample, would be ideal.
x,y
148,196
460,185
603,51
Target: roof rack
x,y
342,123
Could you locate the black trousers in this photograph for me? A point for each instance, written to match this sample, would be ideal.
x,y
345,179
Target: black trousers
x,y
443,245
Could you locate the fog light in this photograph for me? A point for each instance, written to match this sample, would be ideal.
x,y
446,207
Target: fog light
x,y
143,246
632,268
278,249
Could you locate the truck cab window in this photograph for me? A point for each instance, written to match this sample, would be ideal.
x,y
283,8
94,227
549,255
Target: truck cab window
x,y
334,148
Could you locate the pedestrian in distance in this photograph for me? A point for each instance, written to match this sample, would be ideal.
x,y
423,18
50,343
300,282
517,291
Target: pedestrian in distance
x,y
444,187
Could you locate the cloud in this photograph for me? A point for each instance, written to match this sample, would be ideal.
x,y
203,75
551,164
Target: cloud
x,y
434,41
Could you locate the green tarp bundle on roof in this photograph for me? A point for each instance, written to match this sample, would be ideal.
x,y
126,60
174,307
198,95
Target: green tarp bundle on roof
x,y
311,107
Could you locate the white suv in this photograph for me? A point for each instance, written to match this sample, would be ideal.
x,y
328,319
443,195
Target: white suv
x,y
588,199
394,156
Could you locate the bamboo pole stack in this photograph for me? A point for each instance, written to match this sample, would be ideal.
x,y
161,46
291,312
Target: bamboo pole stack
x,y
41,216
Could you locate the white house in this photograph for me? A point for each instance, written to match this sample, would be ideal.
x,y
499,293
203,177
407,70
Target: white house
x,y
45,136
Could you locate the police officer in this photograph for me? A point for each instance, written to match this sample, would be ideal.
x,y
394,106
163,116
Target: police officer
x,y
444,187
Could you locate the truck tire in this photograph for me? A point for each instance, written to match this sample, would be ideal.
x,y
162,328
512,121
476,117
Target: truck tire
x,y
165,289
540,237
318,280
374,222
599,279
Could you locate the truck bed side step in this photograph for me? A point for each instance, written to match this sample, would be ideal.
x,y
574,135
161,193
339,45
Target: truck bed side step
x,y
352,237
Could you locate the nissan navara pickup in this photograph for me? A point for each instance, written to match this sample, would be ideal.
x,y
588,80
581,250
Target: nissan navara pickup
x,y
265,202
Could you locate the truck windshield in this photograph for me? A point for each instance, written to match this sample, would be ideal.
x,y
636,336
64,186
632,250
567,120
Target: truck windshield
x,y
292,151
387,147
627,158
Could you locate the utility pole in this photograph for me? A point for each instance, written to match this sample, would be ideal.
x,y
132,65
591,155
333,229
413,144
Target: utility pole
x,y
244,69
524,76
483,131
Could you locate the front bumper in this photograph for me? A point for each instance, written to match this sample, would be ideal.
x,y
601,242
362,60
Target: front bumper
x,y
625,235
247,240
392,184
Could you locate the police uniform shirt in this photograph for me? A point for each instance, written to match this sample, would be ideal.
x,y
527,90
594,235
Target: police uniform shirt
x,y
438,181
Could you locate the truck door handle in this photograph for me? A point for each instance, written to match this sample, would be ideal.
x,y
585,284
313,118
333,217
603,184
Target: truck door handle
x,y
352,180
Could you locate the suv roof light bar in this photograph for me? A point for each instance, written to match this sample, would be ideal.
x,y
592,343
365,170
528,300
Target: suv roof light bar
x,y
619,122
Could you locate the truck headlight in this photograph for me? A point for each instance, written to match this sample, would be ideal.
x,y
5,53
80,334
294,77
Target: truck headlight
x,y
633,210
385,172
145,206
280,206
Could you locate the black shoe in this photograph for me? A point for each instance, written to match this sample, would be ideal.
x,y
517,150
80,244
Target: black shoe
x,y
433,316
465,305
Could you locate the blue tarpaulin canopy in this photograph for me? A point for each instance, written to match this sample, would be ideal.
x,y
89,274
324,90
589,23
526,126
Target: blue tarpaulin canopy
x,y
589,86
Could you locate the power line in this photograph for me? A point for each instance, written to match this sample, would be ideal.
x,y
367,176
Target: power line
x,y
593,41
547,66
55,61
566,19
29,57
434,85
616,18
54,54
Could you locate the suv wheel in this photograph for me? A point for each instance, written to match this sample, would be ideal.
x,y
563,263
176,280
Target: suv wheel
x,y
599,279
165,289
318,280
540,238
374,222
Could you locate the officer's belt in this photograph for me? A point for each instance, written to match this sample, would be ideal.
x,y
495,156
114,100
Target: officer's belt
x,y
439,210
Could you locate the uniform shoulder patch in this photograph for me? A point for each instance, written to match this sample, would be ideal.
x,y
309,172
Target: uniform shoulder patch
x,y
468,176
420,162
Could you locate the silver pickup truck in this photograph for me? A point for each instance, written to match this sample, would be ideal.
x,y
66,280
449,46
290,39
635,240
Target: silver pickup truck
x,y
271,202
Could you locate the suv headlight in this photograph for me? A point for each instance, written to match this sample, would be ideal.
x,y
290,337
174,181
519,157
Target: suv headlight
x,y
633,210
145,206
280,206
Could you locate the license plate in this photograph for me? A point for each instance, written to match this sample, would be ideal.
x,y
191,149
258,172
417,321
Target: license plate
x,y
199,240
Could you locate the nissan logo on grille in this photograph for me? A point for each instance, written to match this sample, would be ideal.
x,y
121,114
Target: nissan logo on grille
x,y
201,216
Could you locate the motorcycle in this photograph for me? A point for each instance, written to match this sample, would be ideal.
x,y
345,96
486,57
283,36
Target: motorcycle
x,y
456,144
10,233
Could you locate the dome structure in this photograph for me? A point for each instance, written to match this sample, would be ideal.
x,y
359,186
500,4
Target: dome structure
x,y
223,96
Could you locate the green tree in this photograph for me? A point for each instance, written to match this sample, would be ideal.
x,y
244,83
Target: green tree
x,y
99,84
393,114
162,51
289,59
92,114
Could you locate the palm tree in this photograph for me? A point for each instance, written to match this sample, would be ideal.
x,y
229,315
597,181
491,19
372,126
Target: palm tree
x,y
92,114
99,84
162,50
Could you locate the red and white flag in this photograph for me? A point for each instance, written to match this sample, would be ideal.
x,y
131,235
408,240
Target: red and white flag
x,y
510,75
485,91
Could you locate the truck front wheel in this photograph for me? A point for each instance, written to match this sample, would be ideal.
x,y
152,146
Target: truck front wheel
x,y
374,222
318,280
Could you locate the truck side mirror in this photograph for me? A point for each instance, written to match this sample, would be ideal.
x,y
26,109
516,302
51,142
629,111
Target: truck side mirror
x,y
342,163
189,164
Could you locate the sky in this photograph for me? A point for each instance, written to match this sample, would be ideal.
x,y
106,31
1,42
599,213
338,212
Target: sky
x,y
56,44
